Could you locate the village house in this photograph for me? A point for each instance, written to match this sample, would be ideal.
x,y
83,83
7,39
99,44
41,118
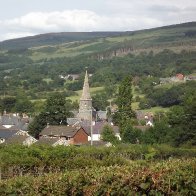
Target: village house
x,y
71,135
72,77
14,121
190,77
15,136
52,141
146,117
97,130
177,78
24,139
6,133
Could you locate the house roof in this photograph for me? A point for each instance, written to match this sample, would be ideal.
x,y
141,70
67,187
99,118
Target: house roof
x,y
72,121
16,121
102,114
7,133
180,76
17,139
46,141
66,131
98,128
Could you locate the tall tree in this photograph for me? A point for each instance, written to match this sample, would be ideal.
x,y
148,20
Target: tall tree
x,y
124,100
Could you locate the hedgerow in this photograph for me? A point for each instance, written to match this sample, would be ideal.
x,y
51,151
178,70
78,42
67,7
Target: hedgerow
x,y
21,159
167,177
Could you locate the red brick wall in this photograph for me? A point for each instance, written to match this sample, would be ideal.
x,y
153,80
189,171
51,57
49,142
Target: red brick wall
x,y
80,137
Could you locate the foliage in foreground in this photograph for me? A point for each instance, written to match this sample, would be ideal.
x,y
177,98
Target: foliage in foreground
x,y
44,159
171,177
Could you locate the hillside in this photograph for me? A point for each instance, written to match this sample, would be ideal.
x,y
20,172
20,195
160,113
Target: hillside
x,y
54,39
33,64
76,43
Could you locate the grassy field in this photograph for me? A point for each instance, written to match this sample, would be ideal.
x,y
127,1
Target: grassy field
x,y
156,110
93,91
146,40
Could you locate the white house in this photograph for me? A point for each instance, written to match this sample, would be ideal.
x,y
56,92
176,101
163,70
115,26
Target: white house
x,y
97,130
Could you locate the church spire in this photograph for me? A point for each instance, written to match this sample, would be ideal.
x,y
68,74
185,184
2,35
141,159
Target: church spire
x,y
85,108
86,92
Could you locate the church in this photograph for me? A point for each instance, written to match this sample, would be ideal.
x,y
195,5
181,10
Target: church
x,y
85,106
87,117
86,114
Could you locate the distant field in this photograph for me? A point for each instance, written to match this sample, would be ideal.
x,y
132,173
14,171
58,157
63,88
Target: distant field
x,y
169,85
93,91
156,109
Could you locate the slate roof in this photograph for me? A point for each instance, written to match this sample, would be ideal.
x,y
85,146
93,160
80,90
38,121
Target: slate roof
x,y
16,139
98,128
102,115
7,133
16,121
64,131
46,141
72,121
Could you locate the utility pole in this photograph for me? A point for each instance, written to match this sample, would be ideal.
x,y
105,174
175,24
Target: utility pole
x,y
91,113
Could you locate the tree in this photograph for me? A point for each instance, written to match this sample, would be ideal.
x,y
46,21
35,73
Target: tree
x,y
100,101
38,123
182,120
55,113
108,135
23,105
160,133
124,101
8,103
129,134
58,109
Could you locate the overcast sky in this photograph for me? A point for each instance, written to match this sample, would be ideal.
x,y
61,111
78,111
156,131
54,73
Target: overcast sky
x,y
19,18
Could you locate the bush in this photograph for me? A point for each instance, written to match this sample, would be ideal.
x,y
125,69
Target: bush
x,y
171,177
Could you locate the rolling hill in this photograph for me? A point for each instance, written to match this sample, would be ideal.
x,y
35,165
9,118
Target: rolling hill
x,y
78,43
28,63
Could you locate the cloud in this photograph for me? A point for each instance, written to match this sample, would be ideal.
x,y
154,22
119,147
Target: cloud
x,y
7,36
112,16
72,20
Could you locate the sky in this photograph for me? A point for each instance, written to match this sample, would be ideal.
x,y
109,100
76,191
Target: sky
x,y
20,18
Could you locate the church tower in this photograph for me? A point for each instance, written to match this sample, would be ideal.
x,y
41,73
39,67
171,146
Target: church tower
x,y
85,107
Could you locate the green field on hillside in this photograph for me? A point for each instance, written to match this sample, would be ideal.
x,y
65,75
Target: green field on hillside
x,y
93,91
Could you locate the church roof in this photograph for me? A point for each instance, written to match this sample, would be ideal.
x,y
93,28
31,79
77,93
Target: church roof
x,y
86,92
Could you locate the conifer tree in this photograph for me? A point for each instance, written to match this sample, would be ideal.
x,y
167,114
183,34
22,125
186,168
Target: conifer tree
x,y
124,100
